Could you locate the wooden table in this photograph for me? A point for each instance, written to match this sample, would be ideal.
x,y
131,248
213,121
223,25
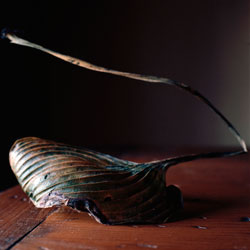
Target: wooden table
x,y
217,206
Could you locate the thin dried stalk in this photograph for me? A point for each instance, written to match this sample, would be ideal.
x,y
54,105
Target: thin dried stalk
x,y
153,79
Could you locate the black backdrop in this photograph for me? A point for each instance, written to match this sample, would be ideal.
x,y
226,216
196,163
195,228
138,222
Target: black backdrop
x,y
45,97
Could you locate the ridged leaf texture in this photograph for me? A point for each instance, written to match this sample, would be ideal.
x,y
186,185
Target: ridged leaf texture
x,y
113,191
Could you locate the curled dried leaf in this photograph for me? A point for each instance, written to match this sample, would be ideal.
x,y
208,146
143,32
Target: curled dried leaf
x,y
113,191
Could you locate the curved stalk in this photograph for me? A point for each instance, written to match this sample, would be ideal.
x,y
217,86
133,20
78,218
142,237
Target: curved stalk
x,y
152,79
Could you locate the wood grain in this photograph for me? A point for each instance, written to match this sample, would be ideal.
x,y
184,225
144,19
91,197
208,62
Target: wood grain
x,y
18,216
216,197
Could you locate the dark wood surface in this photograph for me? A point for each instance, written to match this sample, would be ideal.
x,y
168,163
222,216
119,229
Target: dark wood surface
x,y
216,203
18,216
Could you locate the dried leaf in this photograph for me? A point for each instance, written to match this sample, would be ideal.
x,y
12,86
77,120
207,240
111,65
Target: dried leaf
x,y
113,191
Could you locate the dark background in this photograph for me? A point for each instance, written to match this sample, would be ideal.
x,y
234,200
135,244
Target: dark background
x,y
202,43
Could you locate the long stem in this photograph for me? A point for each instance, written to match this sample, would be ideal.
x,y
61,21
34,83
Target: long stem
x,y
153,79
